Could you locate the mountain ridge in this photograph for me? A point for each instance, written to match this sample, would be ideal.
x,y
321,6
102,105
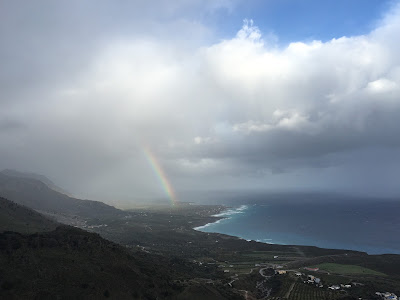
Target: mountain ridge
x,y
40,177
37,195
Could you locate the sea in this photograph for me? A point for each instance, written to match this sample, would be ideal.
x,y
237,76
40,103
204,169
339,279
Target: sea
x,y
371,226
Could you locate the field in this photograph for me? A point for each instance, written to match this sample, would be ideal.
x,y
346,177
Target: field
x,y
238,268
269,256
347,269
301,291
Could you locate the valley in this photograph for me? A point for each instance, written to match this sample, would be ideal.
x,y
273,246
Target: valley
x,y
153,252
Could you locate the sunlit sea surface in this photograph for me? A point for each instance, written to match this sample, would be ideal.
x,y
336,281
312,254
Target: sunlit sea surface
x,y
370,226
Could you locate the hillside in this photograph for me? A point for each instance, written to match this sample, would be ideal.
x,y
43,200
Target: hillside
x,y
39,177
70,263
14,217
35,194
75,264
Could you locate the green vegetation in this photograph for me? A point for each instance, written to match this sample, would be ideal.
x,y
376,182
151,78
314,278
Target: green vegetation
x,y
347,269
295,290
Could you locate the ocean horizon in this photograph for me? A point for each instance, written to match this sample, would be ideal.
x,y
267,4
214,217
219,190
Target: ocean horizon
x,y
370,226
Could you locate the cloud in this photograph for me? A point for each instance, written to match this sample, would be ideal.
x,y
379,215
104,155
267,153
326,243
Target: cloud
x,y
382,85
240,112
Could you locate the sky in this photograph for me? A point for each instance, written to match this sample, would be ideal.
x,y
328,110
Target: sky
x,y
126,101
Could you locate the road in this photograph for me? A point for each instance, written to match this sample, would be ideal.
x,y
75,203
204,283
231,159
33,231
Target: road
x,y
262,273
290,290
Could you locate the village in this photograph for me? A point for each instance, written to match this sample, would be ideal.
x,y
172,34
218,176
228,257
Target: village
x,y
387,296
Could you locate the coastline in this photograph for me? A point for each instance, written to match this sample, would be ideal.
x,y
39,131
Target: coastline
x,y
292,238
223,215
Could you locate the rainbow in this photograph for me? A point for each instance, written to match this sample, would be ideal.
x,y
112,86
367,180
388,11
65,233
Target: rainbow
x,y
158,170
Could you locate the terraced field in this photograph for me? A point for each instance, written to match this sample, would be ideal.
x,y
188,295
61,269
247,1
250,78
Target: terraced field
x,y
303,291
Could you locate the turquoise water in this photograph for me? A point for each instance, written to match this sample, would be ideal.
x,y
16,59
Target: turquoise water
x,y
372,227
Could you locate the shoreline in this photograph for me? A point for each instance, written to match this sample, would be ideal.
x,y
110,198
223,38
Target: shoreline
x,y
198,228
228,212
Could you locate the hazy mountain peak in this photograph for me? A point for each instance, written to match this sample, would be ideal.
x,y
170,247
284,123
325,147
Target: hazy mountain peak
x,y
25,189
42,178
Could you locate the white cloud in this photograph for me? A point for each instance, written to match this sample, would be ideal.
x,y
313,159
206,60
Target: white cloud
x,y
382,85
241,106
